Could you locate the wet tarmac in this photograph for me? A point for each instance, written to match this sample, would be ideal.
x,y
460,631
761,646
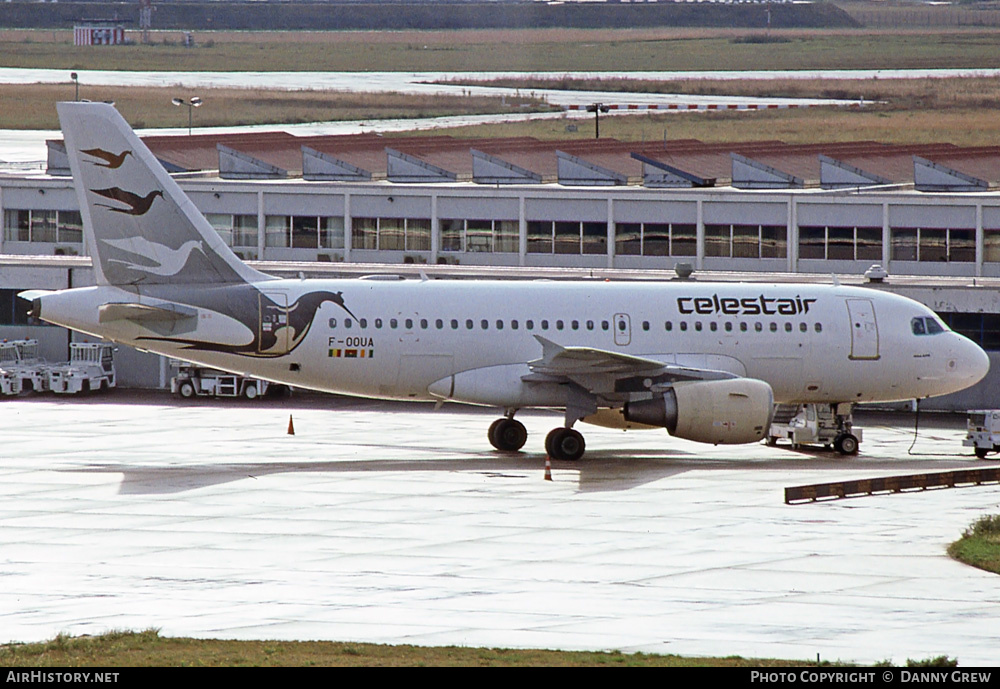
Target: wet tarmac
x,y
399,524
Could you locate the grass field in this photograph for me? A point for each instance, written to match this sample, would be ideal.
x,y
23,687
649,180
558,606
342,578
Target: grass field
x,y
517,50
979,546
33,106
149,649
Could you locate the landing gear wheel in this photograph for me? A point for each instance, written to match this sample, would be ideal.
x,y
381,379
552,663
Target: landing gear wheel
x,y
250,392
981,452
564,444
846,444
507,435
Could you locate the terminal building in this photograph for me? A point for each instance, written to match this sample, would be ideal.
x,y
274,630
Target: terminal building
x,y
927,215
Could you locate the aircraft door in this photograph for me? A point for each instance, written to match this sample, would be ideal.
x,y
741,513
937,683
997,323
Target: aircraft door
x,y
273,335
864,329
623,329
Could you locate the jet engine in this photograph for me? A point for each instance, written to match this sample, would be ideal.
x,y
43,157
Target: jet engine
x,y
714,411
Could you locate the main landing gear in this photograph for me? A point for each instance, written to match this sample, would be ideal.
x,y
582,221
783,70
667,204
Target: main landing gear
x,y
508,435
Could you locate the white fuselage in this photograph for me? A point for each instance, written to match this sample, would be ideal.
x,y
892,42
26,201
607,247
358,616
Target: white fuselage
x,y
411,339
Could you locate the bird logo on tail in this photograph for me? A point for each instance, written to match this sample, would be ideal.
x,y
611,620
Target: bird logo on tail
x,y
112,161
137,205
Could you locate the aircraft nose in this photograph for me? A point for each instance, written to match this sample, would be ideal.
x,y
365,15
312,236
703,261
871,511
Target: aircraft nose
x,y
972,363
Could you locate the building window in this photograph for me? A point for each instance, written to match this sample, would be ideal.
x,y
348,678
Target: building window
x,y
43,226
479,236
656,239
981,328
294,231
933,245
540,237
718,241
238,232
364,233
746,241
840,243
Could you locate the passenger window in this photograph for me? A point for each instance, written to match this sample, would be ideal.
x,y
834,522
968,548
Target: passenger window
x,y
439,323
743,327
575,325
669,326
513,325
559,325
529,324
409,324
604,325
819,327
363,323
333,322
713,326
697,326
378,323
645,325
684,325
788,327
499,324
758,326
803,327
484,324
468,324
423,324
545,325
590,325
729,326
774,327
393,323
454,324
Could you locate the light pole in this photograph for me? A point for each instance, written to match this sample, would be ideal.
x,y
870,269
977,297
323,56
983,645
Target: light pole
x,y
76,80
597,109
191,105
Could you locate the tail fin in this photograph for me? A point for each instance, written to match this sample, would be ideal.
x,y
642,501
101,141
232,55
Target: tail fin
x,y
141,229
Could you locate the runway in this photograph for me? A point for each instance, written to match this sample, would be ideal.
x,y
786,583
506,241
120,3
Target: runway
x,y
398,524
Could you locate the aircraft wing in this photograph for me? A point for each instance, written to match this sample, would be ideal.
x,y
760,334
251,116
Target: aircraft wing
x,y
602,372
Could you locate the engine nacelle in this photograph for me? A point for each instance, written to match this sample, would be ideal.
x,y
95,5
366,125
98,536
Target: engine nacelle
x,y
712,411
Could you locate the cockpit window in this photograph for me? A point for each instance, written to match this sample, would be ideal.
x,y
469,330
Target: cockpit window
x,y
926,326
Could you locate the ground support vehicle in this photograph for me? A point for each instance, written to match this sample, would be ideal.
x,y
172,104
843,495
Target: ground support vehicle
x,y
22,369
815,424
983,431
91,367
197,381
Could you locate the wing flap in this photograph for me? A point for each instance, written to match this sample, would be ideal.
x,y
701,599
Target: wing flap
x,y
604,372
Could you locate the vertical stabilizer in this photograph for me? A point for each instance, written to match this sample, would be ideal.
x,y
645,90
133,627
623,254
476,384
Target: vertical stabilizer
x,y
141,229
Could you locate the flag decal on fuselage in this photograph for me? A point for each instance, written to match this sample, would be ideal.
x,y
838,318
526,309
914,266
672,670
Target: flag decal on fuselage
x,y
351,353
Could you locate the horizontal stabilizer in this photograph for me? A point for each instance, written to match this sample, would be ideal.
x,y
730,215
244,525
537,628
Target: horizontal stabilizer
x,y
32,294
143,313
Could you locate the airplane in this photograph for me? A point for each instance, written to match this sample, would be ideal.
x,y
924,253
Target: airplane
x,y
705,361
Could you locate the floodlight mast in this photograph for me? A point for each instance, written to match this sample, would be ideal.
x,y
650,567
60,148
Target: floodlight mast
x,y
597,109
195,102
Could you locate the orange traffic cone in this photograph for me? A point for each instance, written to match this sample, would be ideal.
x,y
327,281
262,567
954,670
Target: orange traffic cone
x,y
548,469
291,428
